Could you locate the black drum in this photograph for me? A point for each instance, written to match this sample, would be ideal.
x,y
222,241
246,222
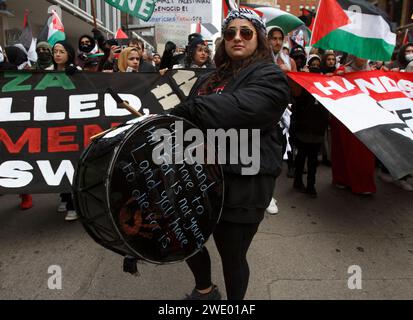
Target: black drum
x,y
131,205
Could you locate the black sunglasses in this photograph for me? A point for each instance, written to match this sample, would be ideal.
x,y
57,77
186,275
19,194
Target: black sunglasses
x,y
246,34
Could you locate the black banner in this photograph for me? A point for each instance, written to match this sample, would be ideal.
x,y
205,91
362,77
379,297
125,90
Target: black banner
x,y
47,119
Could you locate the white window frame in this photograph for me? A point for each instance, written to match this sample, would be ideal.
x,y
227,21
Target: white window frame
x,y
119,20
98,10
88,7
107,15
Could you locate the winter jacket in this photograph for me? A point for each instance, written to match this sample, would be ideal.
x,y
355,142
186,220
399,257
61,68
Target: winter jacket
x,y
309,119
255,99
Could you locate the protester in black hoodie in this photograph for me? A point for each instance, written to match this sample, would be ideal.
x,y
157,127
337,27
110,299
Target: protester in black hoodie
x,y
309,122
45,56
89,53
247,90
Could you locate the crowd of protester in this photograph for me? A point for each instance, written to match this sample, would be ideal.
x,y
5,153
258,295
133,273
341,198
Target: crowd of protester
x,y
307,130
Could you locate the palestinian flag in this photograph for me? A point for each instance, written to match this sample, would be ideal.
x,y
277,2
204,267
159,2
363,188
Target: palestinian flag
x,y
373,108
27,40
120,34
353,26
26,36
277,17
53,30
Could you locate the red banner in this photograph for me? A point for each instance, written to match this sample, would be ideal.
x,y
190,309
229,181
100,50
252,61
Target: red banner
x,y
376,106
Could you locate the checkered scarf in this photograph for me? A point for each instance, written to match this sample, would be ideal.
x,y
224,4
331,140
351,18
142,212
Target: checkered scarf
x,y
243,13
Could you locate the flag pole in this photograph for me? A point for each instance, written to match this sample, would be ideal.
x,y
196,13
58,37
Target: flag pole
x,y
315,21
94,13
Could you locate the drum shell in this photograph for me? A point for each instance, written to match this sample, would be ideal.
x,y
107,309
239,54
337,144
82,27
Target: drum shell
x,y
94,195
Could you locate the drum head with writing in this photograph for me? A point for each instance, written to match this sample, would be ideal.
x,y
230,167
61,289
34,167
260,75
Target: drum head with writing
x,y
164,212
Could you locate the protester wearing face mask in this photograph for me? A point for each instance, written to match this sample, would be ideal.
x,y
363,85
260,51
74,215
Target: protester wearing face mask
x,y
409,67
309,122
408,54
404,57
313,64
298,54
44,56
89,54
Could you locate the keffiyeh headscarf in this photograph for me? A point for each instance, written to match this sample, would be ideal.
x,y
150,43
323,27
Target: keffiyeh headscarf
x,y
247,14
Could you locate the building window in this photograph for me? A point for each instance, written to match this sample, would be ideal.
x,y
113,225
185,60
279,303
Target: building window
x,y
115,16
82,4
110,15
103,11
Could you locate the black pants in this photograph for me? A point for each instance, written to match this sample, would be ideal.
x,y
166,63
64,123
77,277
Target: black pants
x,y
307,151
232,241
67,197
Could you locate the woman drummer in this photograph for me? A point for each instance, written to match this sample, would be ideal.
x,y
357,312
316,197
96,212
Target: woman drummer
x,y
246,91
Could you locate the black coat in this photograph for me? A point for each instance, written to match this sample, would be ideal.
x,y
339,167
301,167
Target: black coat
x,y
255,99
309,119
146,67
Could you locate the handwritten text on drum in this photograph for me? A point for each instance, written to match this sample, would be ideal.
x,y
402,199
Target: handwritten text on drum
x,y
170,197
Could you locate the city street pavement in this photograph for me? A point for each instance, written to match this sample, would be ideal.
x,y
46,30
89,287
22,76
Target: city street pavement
x,y
304,252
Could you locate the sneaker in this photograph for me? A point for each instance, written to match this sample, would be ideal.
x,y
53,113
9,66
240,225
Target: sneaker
x,y
290,173
340,186
385,177
214,294
311,191
62,207
71,215
27,201
404,185
272,207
